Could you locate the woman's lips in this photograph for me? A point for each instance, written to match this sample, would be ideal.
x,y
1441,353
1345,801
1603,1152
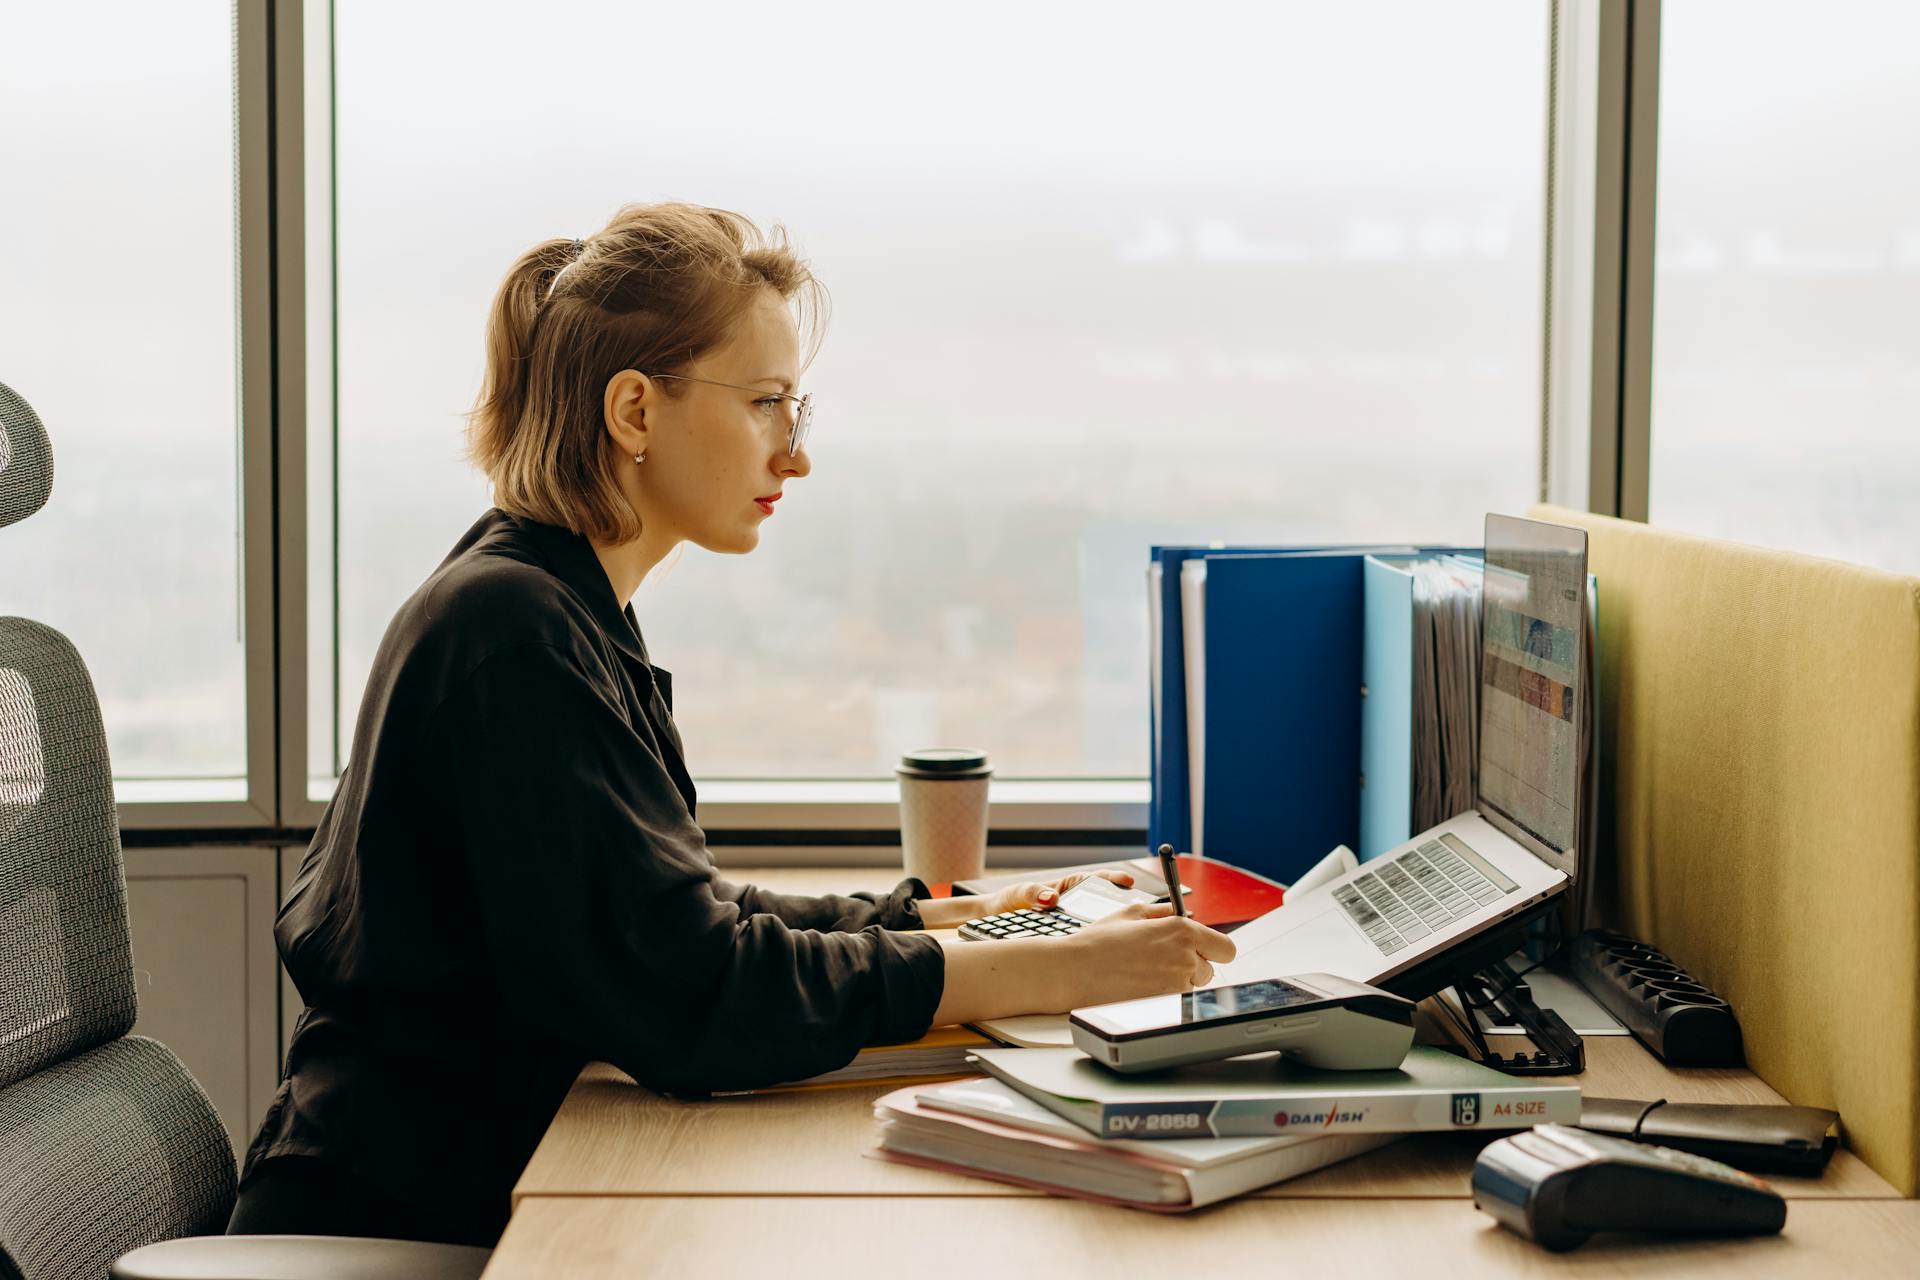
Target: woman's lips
x,y
766,504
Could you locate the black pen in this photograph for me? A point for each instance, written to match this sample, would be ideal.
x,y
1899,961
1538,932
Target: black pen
x,y
1170,872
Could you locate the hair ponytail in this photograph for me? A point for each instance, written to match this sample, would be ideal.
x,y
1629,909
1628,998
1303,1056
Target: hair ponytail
x,y
503,390
654,290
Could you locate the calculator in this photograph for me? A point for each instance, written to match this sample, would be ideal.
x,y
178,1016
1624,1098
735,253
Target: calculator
x,y
1090,900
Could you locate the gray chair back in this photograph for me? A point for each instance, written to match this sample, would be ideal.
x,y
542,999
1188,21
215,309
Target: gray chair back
x,y
26,463
106,1142
66,974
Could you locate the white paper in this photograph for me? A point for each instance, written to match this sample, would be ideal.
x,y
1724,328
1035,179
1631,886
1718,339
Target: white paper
x,y
1156,620
1324,872
1029,1030
1566,997
1193,630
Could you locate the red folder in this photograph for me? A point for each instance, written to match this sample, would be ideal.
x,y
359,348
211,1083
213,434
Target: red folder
x,y
1226,896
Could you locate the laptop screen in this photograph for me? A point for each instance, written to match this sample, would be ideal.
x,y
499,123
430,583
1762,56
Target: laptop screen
x,y
1533,651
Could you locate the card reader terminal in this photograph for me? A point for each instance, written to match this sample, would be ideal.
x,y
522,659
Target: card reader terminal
x,y
1322,1020
1558,1185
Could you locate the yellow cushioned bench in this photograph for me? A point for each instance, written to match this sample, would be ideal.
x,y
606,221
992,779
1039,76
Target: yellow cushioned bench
x,y
1760,806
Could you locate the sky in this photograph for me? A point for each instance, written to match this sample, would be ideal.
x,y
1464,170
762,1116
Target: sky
x,y
1102,276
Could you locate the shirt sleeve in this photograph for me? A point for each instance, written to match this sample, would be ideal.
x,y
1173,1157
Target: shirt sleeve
x,y
899,909
595,899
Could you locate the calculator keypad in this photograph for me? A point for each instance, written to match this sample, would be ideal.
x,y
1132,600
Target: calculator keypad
x,y
1024,923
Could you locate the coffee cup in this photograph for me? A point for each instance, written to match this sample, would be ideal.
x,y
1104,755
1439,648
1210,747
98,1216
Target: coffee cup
x,y
943,813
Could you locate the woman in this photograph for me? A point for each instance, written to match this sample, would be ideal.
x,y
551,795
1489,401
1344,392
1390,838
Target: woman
x,y
510,882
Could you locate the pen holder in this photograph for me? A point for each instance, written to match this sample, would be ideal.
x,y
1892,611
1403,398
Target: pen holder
x,y
1667,1010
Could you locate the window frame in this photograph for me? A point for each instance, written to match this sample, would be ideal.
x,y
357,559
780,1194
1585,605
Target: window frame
x,y
1595,390
144,805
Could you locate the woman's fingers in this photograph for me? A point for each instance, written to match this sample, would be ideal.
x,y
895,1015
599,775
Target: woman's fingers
x,y
1121,878
1213,944
1038,894
1030,894
1202,973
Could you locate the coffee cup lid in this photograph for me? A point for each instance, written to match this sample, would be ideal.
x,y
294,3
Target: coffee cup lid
x,y
944,762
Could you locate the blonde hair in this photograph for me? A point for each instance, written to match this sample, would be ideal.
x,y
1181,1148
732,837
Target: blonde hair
x,y
655,289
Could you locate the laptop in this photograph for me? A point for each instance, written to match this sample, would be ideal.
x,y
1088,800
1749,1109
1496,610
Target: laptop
x,y
1417,914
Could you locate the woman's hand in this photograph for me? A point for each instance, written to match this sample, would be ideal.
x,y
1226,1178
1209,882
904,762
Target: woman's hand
x,y
1142,950
1139,950
1041,894
951,913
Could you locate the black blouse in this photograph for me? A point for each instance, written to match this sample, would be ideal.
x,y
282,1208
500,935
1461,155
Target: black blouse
x,y
510,883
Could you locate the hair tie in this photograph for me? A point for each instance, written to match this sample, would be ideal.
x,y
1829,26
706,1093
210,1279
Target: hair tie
x,y
573,256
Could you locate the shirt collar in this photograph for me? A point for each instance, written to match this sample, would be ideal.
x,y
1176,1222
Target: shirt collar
x,y
570,556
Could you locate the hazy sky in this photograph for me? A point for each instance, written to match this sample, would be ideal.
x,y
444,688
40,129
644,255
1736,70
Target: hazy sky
x,y
1102,275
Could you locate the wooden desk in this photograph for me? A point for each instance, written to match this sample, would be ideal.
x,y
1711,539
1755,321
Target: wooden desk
x,y
933,1238
627,1182
613,1138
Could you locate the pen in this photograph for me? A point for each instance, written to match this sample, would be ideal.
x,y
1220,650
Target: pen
x,y
1170,872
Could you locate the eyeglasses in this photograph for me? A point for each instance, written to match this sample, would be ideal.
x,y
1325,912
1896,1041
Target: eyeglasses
x,y
802,414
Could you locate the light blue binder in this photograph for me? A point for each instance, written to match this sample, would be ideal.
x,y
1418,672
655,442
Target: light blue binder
x,y
1386,706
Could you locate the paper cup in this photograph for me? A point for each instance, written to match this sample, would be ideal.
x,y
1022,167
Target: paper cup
x,y
943,813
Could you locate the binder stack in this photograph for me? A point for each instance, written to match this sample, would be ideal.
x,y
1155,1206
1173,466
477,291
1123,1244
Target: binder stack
x,y
1308,697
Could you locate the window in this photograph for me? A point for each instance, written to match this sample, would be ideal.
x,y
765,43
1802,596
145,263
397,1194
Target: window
x,y
1786,381
1100,279
117,252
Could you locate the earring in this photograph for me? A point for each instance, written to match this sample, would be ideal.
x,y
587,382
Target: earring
x,y
639,457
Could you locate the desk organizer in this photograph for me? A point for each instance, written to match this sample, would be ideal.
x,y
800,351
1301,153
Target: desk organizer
x,y
1678,1018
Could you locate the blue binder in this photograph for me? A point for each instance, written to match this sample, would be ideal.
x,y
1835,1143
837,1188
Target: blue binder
x,y
1284,722
1168,817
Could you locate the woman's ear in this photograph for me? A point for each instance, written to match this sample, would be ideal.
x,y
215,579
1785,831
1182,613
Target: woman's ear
x,y
628,397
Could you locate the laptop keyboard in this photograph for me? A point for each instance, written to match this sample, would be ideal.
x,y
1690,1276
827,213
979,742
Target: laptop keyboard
x,y
1407,897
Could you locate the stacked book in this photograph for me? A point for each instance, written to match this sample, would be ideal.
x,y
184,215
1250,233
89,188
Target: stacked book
x,y
1052,1120
944,1053
984,1128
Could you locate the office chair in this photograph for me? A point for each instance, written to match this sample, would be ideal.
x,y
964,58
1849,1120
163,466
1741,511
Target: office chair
x,y
107,1143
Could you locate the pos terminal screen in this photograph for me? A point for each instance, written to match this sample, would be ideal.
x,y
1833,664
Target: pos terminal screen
x,y
1270,996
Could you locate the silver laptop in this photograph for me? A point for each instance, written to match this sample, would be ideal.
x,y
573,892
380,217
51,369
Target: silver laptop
x,y
1519,845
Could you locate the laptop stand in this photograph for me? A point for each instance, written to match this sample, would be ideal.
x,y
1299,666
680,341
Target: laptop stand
x,y
1478,973
1558,1050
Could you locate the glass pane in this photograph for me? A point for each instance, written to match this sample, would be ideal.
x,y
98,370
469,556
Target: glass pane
x,y
1786,381
1264,272
118,323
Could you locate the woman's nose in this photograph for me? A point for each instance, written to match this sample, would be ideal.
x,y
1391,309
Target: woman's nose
x,y
794,464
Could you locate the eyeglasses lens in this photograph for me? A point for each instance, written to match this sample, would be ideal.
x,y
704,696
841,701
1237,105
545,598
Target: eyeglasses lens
x,y
802,420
